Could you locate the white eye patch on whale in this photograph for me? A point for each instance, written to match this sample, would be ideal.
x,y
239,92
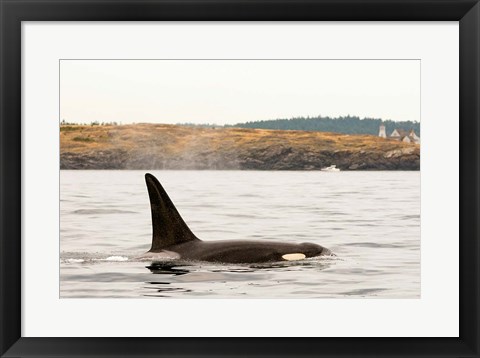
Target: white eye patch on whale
x,y
172,239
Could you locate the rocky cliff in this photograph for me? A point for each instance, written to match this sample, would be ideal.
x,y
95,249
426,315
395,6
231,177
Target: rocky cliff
x,y
160,146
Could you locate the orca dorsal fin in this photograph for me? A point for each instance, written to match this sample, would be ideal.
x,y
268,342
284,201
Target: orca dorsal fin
x,y
168,226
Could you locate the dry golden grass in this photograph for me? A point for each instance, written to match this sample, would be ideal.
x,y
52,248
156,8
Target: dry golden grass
x,y
173,139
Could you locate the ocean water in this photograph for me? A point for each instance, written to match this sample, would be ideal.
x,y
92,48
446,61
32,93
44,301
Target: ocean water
x,y
370,220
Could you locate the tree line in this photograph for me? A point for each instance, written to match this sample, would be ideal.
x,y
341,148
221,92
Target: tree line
x,y
345,125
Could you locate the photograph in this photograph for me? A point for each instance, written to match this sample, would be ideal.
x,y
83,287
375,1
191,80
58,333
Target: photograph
x,y
240,179
243,179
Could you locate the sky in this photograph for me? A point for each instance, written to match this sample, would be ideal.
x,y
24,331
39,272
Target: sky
x,y
234,91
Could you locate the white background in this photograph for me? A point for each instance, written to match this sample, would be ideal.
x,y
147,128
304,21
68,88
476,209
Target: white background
x,y
233,91
435,314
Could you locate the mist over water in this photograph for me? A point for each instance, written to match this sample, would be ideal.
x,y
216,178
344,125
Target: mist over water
x,y
370,220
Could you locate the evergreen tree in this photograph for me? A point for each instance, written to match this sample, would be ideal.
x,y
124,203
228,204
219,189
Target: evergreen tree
x,y
346,125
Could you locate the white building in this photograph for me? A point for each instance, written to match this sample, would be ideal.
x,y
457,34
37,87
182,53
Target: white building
x,y
381,132
404,136
414,136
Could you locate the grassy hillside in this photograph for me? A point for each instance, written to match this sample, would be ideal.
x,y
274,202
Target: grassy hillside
x,y
161,146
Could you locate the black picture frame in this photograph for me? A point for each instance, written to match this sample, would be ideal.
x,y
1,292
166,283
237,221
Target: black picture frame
x,y
13,12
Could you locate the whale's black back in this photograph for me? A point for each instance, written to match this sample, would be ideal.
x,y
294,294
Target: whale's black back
x,y
168,226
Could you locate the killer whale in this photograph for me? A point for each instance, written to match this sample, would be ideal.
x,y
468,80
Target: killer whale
x,y
173,239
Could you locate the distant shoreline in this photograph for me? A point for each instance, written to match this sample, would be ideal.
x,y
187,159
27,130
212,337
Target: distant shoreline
x,y
179,147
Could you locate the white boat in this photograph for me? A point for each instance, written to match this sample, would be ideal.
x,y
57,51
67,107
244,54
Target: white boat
x,y
331,168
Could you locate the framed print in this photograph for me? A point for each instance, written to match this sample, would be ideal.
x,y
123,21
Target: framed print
x,y
239,179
